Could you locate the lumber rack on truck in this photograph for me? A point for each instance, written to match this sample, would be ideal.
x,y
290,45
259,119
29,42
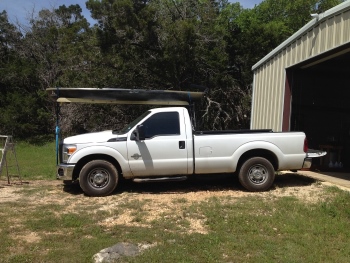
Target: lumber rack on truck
x,y
124,96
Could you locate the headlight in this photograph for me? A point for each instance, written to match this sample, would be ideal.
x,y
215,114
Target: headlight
x,y
67,151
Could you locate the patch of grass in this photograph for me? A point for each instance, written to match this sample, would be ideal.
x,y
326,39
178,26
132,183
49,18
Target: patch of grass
x,y
134,205
67,237
36,161
255,230
27,190
249,229
286,230
180,201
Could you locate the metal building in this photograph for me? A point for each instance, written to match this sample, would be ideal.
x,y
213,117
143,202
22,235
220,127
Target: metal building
x,y
304,84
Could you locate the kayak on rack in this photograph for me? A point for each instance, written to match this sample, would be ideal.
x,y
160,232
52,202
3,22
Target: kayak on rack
x,y
124,96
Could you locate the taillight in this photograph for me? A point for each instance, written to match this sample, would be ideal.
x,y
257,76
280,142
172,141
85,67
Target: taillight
x,y
306,146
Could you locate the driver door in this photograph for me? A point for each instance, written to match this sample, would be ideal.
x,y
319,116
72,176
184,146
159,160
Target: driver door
x,y
164,150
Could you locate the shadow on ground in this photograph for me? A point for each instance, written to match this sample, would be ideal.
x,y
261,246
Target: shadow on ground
x,y
197,183
292,180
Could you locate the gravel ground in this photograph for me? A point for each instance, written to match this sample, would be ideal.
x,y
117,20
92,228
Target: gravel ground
x,y
196,189
156,199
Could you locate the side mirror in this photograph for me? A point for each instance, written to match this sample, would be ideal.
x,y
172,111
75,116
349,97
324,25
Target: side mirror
x,y
139,133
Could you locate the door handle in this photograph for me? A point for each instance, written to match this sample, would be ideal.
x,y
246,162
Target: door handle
x,y
136,156
182,145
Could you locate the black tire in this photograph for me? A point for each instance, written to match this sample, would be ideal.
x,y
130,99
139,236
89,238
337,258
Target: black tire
x,y
98,178
256,174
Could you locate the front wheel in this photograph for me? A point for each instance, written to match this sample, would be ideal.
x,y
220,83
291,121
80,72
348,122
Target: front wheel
x,y
98,178
257,174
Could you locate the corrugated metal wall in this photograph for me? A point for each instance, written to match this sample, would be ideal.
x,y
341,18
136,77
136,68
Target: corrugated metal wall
x,y
330,30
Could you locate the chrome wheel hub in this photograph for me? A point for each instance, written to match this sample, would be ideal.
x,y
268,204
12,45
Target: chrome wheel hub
x,y
98,178
258,174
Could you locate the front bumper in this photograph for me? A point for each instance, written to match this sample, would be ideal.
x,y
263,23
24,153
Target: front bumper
x,y
65,171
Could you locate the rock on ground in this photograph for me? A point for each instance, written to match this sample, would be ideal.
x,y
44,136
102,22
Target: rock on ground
x,y
113,253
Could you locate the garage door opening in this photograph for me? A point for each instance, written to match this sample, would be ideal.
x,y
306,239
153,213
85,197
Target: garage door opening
x,y
321,108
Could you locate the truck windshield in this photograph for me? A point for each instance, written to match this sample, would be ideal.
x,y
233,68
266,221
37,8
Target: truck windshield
x,y
131,125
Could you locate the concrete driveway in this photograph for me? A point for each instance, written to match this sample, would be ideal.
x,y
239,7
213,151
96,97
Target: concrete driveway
x,y
341,180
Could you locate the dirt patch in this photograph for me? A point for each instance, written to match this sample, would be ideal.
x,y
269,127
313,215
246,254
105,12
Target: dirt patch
x,y
30,237
155,200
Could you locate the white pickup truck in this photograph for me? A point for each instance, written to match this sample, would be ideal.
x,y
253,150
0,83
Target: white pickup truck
x,y
161,144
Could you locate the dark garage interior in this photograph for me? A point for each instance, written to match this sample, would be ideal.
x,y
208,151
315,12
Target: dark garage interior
x,y
321,108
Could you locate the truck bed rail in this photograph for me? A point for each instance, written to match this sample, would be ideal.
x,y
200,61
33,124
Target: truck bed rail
x,y
231,131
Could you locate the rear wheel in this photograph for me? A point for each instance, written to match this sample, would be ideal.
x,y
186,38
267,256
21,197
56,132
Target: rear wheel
x,y
257,174
98,178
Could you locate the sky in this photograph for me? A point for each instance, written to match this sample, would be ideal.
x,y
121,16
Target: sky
x,y
20,9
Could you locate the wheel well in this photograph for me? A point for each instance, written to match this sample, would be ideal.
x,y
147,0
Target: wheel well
x,y
271,157
92,157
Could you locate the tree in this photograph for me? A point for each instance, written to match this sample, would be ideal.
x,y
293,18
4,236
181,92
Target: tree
x,y
9,39
50,52
253,33
168,45
15,101
295,14
151,44
56,43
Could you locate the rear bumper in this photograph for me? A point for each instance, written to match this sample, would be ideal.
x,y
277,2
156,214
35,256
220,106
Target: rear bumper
x,y
307,163
65,171
310,155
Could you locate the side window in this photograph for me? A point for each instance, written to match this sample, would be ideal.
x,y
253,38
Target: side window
x,y
163,123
